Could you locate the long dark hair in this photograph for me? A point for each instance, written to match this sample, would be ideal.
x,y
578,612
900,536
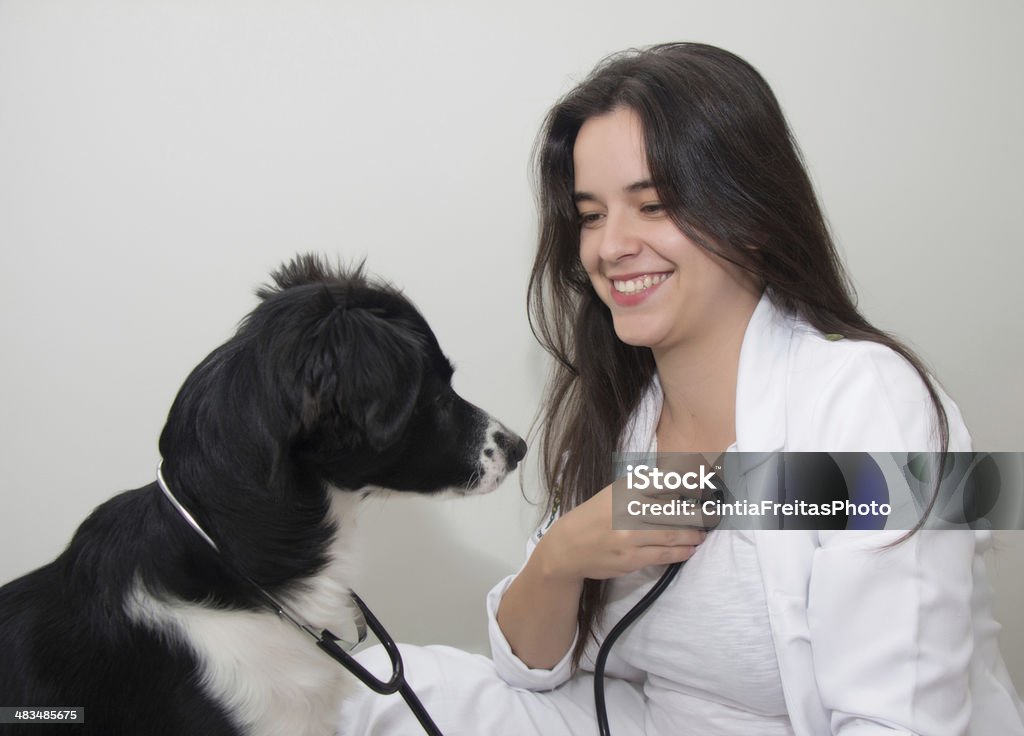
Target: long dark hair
x,y
731,177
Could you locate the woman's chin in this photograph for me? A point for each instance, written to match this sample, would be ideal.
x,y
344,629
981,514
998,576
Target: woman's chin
x,y
639,335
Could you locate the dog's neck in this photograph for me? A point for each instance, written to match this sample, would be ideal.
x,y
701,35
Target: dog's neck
x,y
322,593
278,536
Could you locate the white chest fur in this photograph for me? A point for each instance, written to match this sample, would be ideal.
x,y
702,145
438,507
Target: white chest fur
x,y
268,675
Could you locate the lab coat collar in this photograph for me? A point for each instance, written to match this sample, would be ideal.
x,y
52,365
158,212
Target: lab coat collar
x,y
761,384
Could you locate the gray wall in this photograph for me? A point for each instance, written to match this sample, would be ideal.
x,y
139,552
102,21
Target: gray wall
x,y
158,159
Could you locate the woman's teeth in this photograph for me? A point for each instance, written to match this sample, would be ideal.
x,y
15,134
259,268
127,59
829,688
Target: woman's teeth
x,y
640,283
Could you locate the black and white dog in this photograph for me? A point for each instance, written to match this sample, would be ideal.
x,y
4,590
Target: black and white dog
x,y
332,387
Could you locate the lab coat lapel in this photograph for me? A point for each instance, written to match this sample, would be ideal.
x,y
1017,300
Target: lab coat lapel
x,y
785,557
761,382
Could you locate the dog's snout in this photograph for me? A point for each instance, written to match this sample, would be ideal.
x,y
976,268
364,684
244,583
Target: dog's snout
x,y
500,453
514,447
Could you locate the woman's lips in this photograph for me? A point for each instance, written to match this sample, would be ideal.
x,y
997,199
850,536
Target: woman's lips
x,y
630,289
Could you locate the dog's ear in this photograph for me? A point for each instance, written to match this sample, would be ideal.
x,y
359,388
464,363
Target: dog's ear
x,y
365,375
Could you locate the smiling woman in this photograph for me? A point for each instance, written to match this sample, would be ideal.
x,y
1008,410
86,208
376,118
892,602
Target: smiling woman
x,y
690,291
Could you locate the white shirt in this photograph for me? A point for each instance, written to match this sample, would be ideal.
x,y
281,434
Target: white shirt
x,y
709,668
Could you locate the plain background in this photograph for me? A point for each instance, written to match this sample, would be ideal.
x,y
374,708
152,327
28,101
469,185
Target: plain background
x,y
157,160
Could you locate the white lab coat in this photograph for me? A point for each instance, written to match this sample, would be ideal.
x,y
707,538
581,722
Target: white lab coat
x,y
868,642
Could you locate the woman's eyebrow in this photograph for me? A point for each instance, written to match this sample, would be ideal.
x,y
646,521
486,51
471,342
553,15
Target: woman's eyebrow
x,y
637,186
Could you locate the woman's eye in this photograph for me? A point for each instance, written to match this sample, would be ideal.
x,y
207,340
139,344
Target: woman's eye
x,y
587,219
653,208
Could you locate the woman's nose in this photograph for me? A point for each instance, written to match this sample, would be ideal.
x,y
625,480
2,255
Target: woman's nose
x,y
620,238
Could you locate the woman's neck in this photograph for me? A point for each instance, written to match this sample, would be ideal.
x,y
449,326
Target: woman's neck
x,y
698,379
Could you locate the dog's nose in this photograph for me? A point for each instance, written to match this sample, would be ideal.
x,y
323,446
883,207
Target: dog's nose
x,y
514,447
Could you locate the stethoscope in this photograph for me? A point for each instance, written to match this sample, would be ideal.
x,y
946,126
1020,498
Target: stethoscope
x,y
335,647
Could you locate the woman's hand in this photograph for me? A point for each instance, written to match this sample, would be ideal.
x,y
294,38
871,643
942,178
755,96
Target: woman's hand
x,y
538,612
582,544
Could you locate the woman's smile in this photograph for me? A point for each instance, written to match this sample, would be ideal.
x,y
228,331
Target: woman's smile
x,y
632,289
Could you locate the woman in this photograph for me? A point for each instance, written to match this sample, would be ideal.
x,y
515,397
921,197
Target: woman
x,y
688,287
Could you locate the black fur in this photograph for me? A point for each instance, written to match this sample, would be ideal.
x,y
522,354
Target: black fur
x,y
331,382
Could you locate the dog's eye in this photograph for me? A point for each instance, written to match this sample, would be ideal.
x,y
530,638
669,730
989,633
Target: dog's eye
x,y
443,400
438,402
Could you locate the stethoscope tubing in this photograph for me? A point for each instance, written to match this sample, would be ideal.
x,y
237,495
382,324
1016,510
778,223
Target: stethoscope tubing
x,y
606,646
396,683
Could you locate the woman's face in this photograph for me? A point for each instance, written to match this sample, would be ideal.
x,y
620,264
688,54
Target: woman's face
x,y
663,289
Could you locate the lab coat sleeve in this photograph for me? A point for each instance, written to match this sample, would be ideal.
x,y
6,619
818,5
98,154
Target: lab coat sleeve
x,y
508,666
891,626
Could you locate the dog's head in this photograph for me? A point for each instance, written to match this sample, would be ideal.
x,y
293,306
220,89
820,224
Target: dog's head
x,y
338,380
